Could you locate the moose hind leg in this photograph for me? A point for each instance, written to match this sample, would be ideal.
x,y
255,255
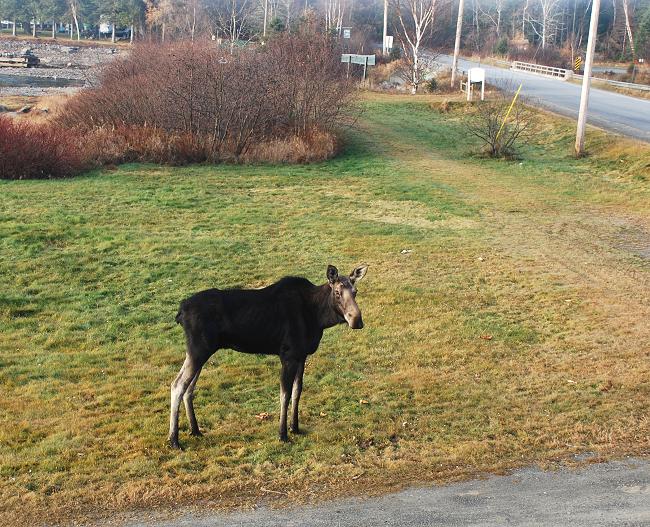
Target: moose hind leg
x,y
295,397
178,389
287,376
188,400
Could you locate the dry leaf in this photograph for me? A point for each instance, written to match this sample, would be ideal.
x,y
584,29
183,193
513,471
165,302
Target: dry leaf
x,y
363,401
486,337
263,416
323,414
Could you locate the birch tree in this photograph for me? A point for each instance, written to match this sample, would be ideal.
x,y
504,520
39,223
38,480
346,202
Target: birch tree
x,y
414,18
628,28
74,11
546,24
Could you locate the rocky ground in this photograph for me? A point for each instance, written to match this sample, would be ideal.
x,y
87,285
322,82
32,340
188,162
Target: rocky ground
x,y
60,62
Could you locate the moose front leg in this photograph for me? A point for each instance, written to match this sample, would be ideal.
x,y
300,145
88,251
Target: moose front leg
x,y
295,397
287,377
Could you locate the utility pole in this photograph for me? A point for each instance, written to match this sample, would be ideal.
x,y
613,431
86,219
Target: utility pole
x,y
384,49
266,8
459,28
586,79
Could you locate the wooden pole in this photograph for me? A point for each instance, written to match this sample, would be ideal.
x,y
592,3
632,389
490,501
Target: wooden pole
x,y
586,79
459,28
266,9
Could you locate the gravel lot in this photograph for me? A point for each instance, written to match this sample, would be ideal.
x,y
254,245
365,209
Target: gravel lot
x,y
57,61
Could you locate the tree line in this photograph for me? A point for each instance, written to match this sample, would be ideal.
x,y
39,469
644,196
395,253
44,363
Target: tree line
x,y
534,27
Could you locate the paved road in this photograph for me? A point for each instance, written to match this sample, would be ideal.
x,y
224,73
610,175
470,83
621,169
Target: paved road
x,y
612,494
612,111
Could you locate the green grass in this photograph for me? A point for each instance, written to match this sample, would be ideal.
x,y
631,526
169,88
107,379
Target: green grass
x,y
513,333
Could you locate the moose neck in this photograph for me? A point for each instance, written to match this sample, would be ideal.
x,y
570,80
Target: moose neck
x,y
325,310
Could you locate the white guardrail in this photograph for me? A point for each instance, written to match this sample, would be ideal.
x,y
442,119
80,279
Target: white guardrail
x,y
548,71
561,73
620,84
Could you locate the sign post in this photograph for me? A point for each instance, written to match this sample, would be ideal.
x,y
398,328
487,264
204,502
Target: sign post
x,y
363,60
577,64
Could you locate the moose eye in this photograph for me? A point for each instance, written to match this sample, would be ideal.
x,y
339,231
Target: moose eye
x,y
338,294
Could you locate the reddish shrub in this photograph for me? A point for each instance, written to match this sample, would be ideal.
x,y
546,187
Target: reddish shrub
x,y
192,102
29,151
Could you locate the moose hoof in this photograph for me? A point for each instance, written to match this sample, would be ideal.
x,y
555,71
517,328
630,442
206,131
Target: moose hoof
x,y
284,438
173,443
196,433
296,431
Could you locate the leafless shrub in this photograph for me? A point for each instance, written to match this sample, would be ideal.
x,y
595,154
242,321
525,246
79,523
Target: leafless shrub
x,y
29,151
499,127
198,103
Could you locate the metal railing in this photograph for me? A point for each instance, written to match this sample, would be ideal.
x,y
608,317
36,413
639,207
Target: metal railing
x,y
620,84
548,71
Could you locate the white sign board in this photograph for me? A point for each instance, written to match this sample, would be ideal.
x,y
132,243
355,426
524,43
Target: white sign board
x,y
346,32
388,42
476,75
366,60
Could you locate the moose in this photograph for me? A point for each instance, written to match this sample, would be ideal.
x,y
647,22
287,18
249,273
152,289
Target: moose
x,y
286,319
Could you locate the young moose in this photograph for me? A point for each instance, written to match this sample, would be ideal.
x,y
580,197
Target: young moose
x,y
285,319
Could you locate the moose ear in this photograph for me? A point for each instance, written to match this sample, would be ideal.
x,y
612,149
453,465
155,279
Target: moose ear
x,y
358,273
332,274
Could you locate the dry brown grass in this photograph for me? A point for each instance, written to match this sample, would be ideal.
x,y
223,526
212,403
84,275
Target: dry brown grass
x,y
316,146
383,72
44,108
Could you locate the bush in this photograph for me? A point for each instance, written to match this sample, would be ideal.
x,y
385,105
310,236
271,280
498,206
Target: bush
x,y
502,46
29,151
500,131
190,102
431,85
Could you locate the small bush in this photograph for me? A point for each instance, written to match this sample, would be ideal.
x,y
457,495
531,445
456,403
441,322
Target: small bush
x,y
29,151
500,131
502,46
395,53
431,85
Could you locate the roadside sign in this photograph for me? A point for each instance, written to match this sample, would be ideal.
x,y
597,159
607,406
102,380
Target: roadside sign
x,y
347,32
364,60
577,64
388,42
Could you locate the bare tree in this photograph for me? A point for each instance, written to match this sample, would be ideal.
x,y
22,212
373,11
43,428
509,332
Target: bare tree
x,y
73,10
230,19
334,13
628,28
414,18
499,126
547,22
493,13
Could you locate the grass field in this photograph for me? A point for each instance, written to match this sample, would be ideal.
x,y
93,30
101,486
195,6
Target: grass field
x,y
515,332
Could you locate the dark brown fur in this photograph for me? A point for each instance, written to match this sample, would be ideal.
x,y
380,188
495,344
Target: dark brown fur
x,y
285,319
